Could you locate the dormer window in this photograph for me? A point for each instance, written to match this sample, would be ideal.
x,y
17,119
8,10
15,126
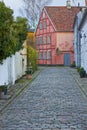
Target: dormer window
x,y
44,24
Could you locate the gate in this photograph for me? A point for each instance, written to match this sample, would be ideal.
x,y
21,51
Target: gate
x,y
67,59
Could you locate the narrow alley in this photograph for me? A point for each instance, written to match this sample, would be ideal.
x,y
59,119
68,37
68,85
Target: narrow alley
x,y
53,101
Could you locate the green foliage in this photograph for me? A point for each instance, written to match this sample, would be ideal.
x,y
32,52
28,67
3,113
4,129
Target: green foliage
x,y
78,69
6,19
19,31
32,58
82,72
12,32
3,88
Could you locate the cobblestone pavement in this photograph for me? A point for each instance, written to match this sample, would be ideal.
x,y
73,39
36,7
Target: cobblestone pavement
x,y
53,101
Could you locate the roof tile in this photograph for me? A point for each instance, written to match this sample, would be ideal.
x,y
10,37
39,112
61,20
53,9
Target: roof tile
x,y
62,17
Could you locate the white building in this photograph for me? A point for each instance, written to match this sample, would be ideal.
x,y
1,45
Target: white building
x,y
80,38
83,32
13,67
77,42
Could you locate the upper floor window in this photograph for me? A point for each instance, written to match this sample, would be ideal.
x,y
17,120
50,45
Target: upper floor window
x,y
44,55
41,55
49,55
48,39
40,25
40,40
44,24
44,39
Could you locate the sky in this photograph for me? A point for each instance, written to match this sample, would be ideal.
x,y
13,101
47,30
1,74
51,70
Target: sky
x,y
17,4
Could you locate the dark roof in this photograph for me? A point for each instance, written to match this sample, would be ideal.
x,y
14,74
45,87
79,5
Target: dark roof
x,y
62,17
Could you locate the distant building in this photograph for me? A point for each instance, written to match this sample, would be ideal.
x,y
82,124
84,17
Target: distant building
x,y
54,35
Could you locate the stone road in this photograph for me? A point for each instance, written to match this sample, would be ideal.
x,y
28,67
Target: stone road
x,y
53,101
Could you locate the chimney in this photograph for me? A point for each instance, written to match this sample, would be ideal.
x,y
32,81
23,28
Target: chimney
x,y
85,2
68,4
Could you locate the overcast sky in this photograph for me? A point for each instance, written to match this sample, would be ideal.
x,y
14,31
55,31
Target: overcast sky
x,y
17,4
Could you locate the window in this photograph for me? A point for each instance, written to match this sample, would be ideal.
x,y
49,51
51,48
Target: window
x,y
44,24
44,55
40,25
49,39
49,55
40,40
41,55
44,39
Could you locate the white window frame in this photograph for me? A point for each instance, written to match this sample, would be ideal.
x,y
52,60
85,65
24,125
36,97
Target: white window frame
x,y
40,55
44,39
48,55
45,55
40,40
44,24
48,39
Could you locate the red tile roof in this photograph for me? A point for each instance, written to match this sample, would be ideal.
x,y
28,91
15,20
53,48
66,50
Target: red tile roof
x,y
62,17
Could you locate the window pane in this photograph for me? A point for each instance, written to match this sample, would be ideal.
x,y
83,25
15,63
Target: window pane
x,y
44,40
45,55
49,55
49,39
40,40
40,55
44,24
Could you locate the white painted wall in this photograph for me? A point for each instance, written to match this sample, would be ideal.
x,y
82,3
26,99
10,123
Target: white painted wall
x,y
13,68
84,45
4,73
77,48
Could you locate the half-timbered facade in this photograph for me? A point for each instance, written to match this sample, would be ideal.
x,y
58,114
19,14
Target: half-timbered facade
x,y
54,35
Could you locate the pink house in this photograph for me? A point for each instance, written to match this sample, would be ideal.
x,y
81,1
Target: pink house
x,y
54,35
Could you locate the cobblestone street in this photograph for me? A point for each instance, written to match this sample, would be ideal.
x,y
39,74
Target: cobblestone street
x,y
53,101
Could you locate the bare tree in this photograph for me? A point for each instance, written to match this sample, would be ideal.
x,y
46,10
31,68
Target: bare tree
x,y
33,8
74,1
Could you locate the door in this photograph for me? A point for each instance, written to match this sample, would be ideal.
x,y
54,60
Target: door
x,y
67,59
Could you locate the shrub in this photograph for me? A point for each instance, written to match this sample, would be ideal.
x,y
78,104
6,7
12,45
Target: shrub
x,y
3,88
82,72
78,69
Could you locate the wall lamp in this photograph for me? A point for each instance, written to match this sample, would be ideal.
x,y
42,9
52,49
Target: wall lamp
x,y
83,35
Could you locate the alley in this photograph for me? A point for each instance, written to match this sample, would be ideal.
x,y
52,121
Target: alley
x,y
53,101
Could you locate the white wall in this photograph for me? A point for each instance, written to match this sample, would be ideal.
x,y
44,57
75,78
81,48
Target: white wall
x,y
4,72
84,46
12,68
77,49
